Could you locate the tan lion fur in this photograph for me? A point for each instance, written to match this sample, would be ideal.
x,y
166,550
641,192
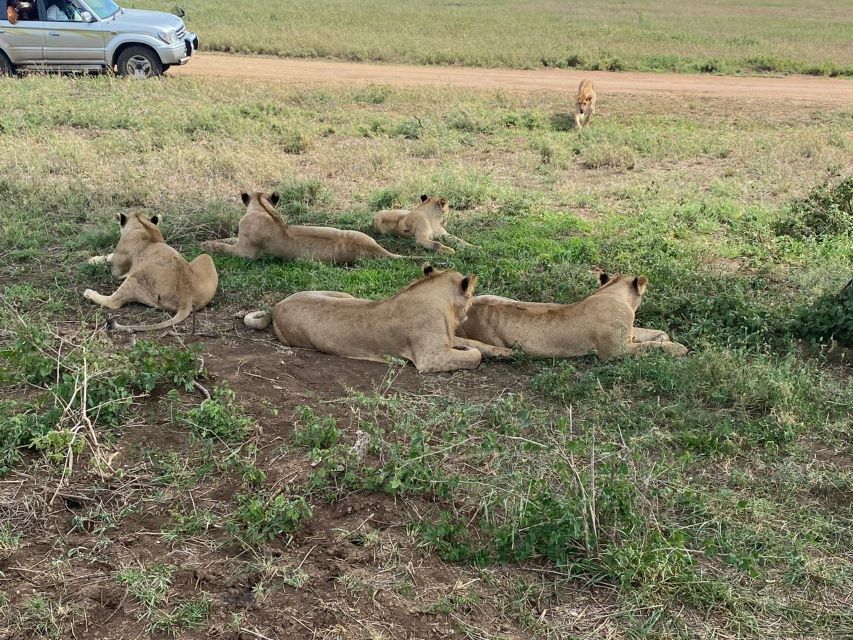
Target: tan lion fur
x,y
603,323
584,103
155,274
425,222
418,323
262,231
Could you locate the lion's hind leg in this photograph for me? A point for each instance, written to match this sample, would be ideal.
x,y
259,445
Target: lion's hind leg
x,y
486,350
448,360
649,335
446,234
424,239
231,247
124,294
672,348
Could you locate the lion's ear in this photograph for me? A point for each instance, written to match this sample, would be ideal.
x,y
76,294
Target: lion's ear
x,y
468,283
155,220
603,278
121,218
274,198
245,197
424,198
442,202
640,284
428,269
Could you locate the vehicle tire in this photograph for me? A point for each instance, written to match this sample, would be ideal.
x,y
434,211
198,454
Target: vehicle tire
x,y
139,62
6,68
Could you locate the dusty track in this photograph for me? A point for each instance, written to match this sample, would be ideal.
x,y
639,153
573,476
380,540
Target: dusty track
x,y
800,88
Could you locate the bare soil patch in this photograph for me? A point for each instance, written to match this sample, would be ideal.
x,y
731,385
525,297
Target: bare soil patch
x,y
794,88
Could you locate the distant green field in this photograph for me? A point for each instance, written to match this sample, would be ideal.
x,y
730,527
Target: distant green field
x,y
646,35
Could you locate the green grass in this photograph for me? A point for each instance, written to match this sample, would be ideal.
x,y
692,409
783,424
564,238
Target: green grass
x,y
702,495
652,35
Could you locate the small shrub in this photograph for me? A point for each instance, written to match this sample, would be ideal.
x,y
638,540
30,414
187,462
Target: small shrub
x,y
574,61
463,190
463,120
374,128
10,539
388,198
314,431
187,615
766,64
410,128
525,120
151,364
829,318
826,211
517,203
148,585
298,196
220,418
613,64
294,142
55,445
260,519
606,156
374,94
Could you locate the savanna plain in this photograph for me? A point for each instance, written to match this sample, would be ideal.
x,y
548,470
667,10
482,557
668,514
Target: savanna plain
x,y
209,482
728,36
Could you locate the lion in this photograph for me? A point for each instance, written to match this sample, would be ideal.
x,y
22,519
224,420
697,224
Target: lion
x,y
425,222
262,231
585,103
155,274
603,323
418,323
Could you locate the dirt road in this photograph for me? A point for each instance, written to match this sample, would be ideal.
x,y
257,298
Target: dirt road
x,y
801,88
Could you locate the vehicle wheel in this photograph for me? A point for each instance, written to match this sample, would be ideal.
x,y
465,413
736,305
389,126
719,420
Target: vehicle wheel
x,y
139,62
6,68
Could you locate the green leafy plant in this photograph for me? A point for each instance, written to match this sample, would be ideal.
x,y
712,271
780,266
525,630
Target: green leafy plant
x,y
827,211
829,318
260,518
219,418
313,431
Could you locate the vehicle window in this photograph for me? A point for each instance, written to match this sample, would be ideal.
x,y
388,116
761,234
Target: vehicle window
x,y
17,10
63,11
103,8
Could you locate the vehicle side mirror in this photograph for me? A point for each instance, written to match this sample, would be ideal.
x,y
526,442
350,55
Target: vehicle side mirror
x,y
86,16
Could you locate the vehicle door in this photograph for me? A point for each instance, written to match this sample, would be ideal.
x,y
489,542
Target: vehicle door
x,y
24,40
70,38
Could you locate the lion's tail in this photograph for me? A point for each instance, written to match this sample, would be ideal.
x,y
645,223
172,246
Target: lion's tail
x,y
182,314
258,320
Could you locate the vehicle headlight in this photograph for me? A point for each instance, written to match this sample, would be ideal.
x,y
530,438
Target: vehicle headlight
x,y
168,37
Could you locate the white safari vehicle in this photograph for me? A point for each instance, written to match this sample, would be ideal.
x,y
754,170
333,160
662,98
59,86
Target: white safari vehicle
x,y
91,35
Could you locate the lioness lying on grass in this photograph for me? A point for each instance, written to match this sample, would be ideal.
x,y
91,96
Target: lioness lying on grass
x,y
262,231
155,274
603,323
425,222
418,323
